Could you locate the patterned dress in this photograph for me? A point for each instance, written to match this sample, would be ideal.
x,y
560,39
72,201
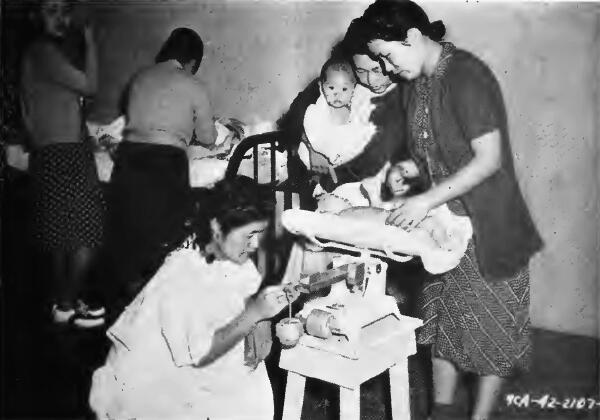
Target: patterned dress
x,y
68,201
479,325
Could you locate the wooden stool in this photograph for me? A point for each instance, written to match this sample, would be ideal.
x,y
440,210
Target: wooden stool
x,y
377,354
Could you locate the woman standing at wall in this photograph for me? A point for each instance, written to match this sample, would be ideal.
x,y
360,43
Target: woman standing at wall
x,y
59,70
477,315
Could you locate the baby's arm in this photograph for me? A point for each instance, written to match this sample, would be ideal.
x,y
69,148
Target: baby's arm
x,y
204,127
370,193
371,187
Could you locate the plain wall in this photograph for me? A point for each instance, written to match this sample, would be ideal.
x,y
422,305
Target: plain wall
x,y
258,55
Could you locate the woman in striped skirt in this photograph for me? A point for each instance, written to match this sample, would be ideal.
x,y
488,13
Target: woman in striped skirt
x,y
477,315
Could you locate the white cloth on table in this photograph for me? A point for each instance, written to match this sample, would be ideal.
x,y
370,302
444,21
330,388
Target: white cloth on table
x,y
169,327
205,168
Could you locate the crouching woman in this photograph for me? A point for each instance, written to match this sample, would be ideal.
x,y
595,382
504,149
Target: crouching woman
x,y
178,349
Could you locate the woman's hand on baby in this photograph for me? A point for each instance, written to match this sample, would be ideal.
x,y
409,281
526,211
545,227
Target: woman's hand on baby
x,y
269,302
409,213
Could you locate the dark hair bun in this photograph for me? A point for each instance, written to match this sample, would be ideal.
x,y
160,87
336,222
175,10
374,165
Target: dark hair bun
x,y
437,30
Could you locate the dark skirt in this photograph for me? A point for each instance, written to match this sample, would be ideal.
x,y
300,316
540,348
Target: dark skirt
x,y
149,192
149,199
67,197
480,326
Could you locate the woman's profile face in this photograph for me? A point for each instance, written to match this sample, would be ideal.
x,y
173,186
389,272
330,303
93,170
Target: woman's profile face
x,y
240,243
398,57
56,17
370,74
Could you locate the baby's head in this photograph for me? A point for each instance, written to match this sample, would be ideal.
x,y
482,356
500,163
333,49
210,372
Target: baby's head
x,y
404,179
337,82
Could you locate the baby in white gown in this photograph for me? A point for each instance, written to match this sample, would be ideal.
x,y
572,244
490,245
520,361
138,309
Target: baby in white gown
x,y
337,128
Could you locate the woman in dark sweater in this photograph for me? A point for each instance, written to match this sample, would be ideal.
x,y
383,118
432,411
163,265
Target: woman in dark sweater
x,y
477,315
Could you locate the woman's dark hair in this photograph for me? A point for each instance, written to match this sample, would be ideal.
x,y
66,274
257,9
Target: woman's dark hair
x,y
72,44
183,45
336,63
390,20
233,202
417,185
355,41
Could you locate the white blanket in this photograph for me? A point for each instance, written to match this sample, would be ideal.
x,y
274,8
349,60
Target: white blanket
x,y
372,235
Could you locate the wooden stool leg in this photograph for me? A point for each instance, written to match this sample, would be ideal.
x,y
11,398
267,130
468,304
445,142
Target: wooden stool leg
x,y
349,404
294,396
399,391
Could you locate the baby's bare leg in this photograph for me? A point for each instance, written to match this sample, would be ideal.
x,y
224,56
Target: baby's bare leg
x,y
365,213
373,214
330,203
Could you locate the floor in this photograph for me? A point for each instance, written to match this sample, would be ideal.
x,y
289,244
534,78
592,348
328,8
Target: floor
x,y
46,371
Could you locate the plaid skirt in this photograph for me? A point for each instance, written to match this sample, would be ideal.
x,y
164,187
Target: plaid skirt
x,y
478,325
67,197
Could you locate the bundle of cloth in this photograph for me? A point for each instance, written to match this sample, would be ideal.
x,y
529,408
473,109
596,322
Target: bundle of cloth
x,y
106,138
206,170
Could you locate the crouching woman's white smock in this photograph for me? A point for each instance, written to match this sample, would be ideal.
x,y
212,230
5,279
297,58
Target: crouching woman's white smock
x,y
149,372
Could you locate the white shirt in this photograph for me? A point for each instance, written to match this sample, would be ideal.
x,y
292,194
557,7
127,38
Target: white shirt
x,y
149,372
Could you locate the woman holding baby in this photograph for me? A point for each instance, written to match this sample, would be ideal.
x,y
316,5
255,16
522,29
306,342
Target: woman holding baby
x,y
348,135
477,314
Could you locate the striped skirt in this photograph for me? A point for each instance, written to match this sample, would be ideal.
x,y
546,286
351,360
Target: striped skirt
x,y
479,326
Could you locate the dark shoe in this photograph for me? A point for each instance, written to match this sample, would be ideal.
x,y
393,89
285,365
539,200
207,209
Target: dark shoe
x,y
92,309
79,317
61,315
86,317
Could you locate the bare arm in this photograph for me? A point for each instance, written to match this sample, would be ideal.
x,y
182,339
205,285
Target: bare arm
x,y
477,106
266,305
25,114
229,335
204,126
56,68
486,161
